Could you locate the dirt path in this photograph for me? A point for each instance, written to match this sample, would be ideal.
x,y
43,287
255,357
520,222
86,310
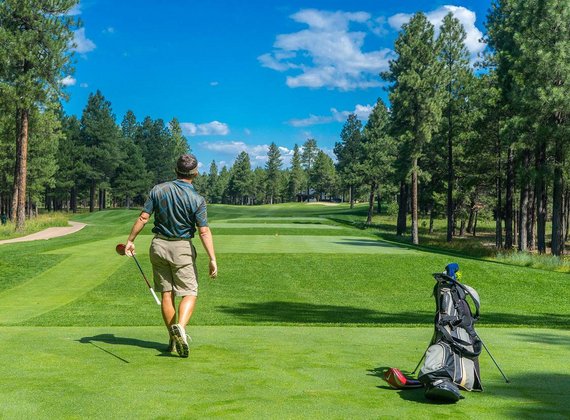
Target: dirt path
x,y
52,232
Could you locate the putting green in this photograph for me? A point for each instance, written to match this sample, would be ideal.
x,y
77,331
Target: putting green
x,y
265,372
285,244
234,225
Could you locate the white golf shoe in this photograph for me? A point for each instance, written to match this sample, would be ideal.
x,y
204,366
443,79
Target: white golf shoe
x,y
181,339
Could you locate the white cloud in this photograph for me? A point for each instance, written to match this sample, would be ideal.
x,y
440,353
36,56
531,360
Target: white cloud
x,y
214,83
81,43
361,111
110,30
74,11
464,15
84,85
247,131
328,54
68,81
207,129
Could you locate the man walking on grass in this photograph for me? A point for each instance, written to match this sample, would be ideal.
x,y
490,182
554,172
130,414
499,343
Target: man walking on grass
x,y
178,209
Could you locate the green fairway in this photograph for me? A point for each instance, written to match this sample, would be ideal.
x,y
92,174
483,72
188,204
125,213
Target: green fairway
x,y
265,372
305,314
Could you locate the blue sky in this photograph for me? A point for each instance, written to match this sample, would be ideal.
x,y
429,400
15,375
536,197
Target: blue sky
x,y
242,74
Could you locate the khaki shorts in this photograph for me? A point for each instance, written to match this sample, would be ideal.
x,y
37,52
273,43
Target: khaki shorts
x,y
174,266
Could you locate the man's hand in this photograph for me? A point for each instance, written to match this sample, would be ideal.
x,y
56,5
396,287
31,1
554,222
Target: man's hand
x,y
213,269
130,249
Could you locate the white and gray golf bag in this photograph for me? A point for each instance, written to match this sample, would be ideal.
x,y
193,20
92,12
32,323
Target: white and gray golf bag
x,y
452,359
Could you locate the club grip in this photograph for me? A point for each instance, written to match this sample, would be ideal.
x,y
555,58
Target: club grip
x,y
154,295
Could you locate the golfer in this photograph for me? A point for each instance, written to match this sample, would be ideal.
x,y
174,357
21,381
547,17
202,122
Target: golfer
x,y
178,209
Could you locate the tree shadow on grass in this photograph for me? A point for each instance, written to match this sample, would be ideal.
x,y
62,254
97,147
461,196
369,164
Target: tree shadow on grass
x,y
297,312
124,341
545,338
535,394
276,312
530,395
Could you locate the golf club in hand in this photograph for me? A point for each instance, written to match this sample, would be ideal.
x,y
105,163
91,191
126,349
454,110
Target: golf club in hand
x,y
120,248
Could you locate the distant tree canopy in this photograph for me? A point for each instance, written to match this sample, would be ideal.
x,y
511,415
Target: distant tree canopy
x,y
460,138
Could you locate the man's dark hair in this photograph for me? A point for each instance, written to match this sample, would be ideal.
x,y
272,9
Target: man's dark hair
x,y
187,166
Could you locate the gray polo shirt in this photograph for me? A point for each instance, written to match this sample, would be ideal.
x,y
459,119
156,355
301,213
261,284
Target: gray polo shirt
x,y
177,209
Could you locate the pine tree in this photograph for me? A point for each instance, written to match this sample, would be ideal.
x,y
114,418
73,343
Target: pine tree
x,y
100,135
240,184
324,175
349,154
308,156
213,188
415,95
296,175
530,40
378,152
273,168
34,54
456,80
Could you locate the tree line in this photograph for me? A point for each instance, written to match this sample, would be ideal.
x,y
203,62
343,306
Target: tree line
x,y
459,138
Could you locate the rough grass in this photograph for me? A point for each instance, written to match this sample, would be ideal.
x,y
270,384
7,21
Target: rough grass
x,y
36,224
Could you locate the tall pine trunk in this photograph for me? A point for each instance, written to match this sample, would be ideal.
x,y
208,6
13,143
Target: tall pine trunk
x,y
509,200
566,214
541,197
371,203
20,172
73,199
92,196
557,200
402,209
531,219
415,237
450,180
523,217
499,204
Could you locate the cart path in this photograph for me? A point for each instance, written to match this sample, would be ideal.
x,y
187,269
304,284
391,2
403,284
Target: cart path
x,y
52,232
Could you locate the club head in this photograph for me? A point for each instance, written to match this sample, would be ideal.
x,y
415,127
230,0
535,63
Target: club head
x,y
120,248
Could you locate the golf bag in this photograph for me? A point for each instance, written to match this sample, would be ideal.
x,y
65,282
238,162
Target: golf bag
x,y
451,360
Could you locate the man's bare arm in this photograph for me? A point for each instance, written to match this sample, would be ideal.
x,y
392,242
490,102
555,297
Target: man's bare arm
x,y
137,227
208,243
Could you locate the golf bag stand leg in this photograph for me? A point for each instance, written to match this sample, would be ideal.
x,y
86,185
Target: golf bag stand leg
x,y
494,361
423,356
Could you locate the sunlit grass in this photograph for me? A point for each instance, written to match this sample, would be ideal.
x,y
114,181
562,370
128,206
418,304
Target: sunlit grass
x,y
544,262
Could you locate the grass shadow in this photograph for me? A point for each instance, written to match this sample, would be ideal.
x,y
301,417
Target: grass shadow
x,y
297,312
124,341
545,338
278,312
536,395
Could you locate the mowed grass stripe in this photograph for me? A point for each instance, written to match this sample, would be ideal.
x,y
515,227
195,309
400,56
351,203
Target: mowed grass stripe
x,y
289,244
85,267
234,225
265,372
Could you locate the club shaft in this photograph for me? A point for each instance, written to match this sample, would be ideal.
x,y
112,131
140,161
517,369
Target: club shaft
x,y
142,272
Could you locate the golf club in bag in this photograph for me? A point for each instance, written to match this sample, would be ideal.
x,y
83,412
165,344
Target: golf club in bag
x,y
120,248
452,357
